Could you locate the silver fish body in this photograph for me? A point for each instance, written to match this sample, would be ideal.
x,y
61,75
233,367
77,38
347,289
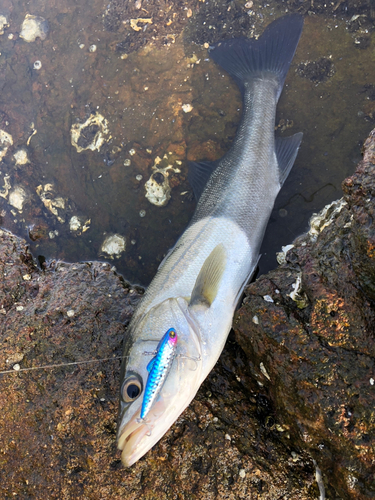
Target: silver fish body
x,y
197,287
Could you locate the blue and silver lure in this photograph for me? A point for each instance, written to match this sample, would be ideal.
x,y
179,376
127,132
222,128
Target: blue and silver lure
x,y
158,369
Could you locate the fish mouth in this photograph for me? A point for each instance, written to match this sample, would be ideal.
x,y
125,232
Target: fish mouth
x,y
139,436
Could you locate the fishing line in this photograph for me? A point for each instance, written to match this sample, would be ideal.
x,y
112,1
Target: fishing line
x,y
44,367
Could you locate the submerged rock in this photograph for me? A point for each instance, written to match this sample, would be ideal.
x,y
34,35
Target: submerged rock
x,y
321,357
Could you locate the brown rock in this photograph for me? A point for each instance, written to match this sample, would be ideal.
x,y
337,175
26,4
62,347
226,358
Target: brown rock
x,y
305,389
57,424
318,347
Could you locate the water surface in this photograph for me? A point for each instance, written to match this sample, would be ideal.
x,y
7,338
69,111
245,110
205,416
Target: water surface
x,y
163,98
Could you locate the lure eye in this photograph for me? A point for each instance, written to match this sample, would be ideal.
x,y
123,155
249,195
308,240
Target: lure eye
x,y
131,389
172,334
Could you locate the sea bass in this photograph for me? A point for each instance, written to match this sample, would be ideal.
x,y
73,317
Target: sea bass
x,y
198,285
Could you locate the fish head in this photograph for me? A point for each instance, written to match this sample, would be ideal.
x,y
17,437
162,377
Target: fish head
x,y
136,436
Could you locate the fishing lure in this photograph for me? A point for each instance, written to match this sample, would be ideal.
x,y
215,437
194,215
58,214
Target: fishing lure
x,y
158,369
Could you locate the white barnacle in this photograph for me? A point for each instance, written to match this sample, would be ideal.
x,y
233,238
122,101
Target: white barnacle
x,y
297,294
268,298
187,108
264,371
33,27
113,246
55,204
6,141
281,256
325,217
3,24
5,191
20,157
17,198
91,134
158,190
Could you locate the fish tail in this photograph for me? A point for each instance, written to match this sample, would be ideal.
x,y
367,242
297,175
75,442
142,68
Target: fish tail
x,y
246,59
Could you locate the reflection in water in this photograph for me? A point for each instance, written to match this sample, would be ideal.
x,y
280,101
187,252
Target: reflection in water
x,y
100,109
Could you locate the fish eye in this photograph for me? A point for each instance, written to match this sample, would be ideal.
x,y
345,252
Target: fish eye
x,y
172,334
131,389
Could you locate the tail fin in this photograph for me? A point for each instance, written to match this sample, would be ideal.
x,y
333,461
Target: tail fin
x,y
245,59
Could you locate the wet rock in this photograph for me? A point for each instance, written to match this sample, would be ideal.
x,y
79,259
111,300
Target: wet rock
x,y
151,22
58,423
320,354
360,12
317,71
38,230
216,20
301,387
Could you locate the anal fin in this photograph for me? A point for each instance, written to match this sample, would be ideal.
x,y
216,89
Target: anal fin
x,y
286,152
198,175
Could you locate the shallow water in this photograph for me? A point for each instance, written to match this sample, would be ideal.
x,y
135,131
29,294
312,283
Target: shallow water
x,y
139,82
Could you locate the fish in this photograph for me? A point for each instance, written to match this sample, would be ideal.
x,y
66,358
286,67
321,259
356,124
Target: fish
x,y
199,283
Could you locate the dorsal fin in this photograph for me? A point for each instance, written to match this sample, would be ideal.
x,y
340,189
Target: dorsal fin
x,y
209,277
198,175
286,152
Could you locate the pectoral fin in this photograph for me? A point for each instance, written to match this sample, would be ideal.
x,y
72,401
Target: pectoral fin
x,y
209,278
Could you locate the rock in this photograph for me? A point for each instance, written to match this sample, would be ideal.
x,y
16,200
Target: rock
x,y
58,423
316,339
301,389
